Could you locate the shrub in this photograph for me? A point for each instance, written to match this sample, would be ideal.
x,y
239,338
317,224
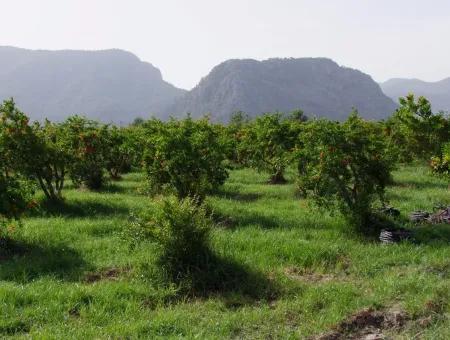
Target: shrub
x,y
121,151
16,197
344,167
87,142
186,156
181,228
52,162
233,135
19,144
16,193
34,151
414,131
440,165
268,141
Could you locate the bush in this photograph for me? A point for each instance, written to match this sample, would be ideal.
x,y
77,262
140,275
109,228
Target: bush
x,y
16,197
440,165
121,151
233,135
87,142
414,131
34,151
269,141
19,144
181,229
52,161
344,167
16,194
186,156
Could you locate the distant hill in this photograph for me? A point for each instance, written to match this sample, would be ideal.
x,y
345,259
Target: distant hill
x,y
110,85
438,93
318,86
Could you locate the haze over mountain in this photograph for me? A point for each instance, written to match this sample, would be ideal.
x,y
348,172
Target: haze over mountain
x,y
318,86
115,86
110,85
438,93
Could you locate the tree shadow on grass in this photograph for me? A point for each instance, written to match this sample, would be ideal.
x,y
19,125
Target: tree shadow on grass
x,y
23,262
79,208
245,220
113,189
421,184
14,327
235,283
249,218
435,235
238,196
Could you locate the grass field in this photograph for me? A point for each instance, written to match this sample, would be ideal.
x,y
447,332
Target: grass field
x,y
294,271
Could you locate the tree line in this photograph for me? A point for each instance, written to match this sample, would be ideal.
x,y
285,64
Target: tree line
x,y
343,166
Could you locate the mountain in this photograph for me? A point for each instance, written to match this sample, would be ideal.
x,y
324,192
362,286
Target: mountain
x,y
318,86
110,85
438,93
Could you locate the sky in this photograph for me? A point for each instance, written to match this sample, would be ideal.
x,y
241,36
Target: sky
x,y
185,39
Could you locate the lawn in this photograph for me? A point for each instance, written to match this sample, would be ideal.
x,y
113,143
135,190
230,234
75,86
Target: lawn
x,y
294,271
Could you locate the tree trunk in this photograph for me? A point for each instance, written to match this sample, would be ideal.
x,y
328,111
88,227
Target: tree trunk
x,y
277,178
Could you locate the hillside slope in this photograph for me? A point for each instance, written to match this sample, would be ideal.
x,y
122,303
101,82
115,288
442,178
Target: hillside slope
x,y
437,92
110,85
318,86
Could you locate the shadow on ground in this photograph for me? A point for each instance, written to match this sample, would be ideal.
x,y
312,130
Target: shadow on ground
x,y
245,220
433,234
79,208
238,196
114,189
423,184
215,276
23,262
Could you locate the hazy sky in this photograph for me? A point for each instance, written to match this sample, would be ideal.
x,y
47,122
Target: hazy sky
x,y
186,38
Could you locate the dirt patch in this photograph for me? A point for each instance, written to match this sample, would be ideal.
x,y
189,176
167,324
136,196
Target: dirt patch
x,y
367,324
107,274
298,274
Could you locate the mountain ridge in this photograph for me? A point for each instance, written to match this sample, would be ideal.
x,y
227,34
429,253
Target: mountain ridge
x,y
114,85
438,92
316,85
109,85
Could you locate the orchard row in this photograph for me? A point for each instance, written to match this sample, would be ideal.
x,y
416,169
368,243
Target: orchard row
x,y
340,165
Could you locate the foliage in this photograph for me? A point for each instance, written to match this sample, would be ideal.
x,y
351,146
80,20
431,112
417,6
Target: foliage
x,y
232,135
298,116
53,159
15,191
87,142
138,121
33,151
414,131
186,156
268,141
121,151
440,165
16,197
344,166
19,143
181,228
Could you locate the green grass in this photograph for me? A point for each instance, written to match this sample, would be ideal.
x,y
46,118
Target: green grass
x,y
74,275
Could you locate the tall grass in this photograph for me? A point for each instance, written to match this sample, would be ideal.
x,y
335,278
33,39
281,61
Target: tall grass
x,y
289,270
